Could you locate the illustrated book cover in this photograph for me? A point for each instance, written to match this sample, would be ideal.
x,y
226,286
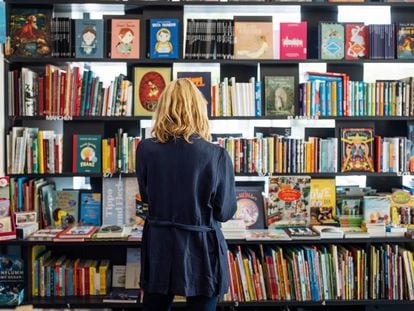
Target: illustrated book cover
x,y
323,202
87,153
302,234
164,38
405,41
279,95
67,209
357,149
288,202
293,40
253,37
356,41
89,38
12,280
377,210
90,208
30,32
125,37
78,231
332,40
402,209
250,206
149,82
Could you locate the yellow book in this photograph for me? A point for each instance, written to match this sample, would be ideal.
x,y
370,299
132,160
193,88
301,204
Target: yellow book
x,y
37,259
308,157
40,151
104,155
271,151
322,201
280,156
334,98
103,277
92,271
249,279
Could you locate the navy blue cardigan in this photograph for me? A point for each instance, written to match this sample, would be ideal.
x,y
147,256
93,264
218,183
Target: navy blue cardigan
x,y
189,188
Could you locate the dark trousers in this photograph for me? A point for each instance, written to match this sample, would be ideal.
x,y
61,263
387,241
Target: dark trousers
x,y
160,302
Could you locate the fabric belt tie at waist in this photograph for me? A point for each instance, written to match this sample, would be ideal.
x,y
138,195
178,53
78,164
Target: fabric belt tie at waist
x,y
166,223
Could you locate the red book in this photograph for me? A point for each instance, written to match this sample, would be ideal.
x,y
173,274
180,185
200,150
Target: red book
x,y
378,153
62,93
293,40
74,159
41,96
356,41
272,277
86,278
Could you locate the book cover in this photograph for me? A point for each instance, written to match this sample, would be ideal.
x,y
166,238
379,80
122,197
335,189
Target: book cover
x,y
356,41
164,38
118,276
78,231
402,209
323,201
332,38
5,224
30,32
357,149
253,37
66,212
302,234
288,202
203,82
148,86
293,40
405,41
279,95
133,268
12,280
90,208
2,22
87,153
377,210
114,212
250,206
267,235
350,211
112,232
125,36
88,38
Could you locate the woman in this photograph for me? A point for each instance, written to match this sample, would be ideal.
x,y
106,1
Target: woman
x,y
188,184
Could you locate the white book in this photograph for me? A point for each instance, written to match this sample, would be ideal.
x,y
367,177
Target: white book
x,y
234,99
110,96
252,85
133,268
129,99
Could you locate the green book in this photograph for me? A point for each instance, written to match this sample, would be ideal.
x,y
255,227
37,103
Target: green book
x,y
87,153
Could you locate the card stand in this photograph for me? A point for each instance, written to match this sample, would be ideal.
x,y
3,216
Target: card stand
x,y
11,235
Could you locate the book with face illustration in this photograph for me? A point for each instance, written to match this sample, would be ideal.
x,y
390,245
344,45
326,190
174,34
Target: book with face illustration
x,y
89,38
164,39
125,36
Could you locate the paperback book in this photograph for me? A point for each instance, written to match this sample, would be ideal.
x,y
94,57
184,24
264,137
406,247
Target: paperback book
x,y
12,280
279,95
377,210
90,208
88,38
164,38
402,209
356,41
293,40
405,41
67,208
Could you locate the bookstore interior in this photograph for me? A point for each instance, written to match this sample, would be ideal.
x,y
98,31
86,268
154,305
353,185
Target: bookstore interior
x,y
313,101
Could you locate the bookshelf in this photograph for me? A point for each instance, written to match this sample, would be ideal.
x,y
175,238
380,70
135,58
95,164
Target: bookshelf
x,y
313,12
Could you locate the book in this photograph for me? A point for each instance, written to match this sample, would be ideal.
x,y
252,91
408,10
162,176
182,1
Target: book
x,y
164,38
402,209
377,210
302,234
350,211
90,208
356,41
67,208
329,232
112,232
121,295
332,40
288,202
6,224
405,41
357,149
150,82
29,31
77,231
323,201
45,234
118,276
355,233
86,153
125,37
267,235
250,206
133,268
293,40
279,95
89,38
12,280
253,37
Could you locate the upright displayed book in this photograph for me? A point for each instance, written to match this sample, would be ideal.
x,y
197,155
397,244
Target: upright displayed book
x,y
164,38
250,207
279,95
133,268
253,37
288,202
377,210
67,208
356,41
293,40
148,86
86,153
89,38
90,208
405,41
331,38
402,209
203,82
125,37
357,149
12,280
323,202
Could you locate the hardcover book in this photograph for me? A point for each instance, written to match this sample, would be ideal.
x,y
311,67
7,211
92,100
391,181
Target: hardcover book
x,y
87,153
125,36
356,41
350,211
77,231
66,212
293,40
402,209
331,37
164,38
12,280
90,208
405,41
253,37
288,202
377,210
302,234
30,32
148,86
323,202
279,95
89,38
250,206
357,149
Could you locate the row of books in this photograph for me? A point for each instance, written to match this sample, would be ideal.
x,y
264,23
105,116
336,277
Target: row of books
x,y
393,154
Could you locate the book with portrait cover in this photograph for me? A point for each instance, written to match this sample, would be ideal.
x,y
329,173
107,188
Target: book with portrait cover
x,y
30,32
12,280
149,82
86,153
250,206
279,95
125,37
164,39
293,40
357,149
253,37
88,38
356,41
323,202
332,40
405,41
203,82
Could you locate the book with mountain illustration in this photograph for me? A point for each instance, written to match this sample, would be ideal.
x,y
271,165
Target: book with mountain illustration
x,y
357,149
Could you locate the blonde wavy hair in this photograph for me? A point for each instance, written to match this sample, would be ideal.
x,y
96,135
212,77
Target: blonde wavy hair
x,y
181,112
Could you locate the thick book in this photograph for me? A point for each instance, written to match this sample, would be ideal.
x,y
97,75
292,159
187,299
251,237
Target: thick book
x,y
293,40
87,153
357,149
250,206
332,40
279,95
164,38
125,37
89,38
12,280
356,41
405,41
90,208
323,202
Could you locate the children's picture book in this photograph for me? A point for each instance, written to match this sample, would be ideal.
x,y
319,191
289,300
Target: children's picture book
x,y
149,84
164,38
45,234
332,40
356,41
30,32
250,206
5,224
253,37
90,208
349,211
402,209
125,36
288,202
302,234
377,210
67,208
279,95
267,235
87,153
12,280
323,202
293,40
89,38
77,231
405,41
112,232
357,149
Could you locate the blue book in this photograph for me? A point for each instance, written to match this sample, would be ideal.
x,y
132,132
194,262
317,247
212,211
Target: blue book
x,y
2,22
203,82
258,98
88,38
164,39
12,280
90,208
20,182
